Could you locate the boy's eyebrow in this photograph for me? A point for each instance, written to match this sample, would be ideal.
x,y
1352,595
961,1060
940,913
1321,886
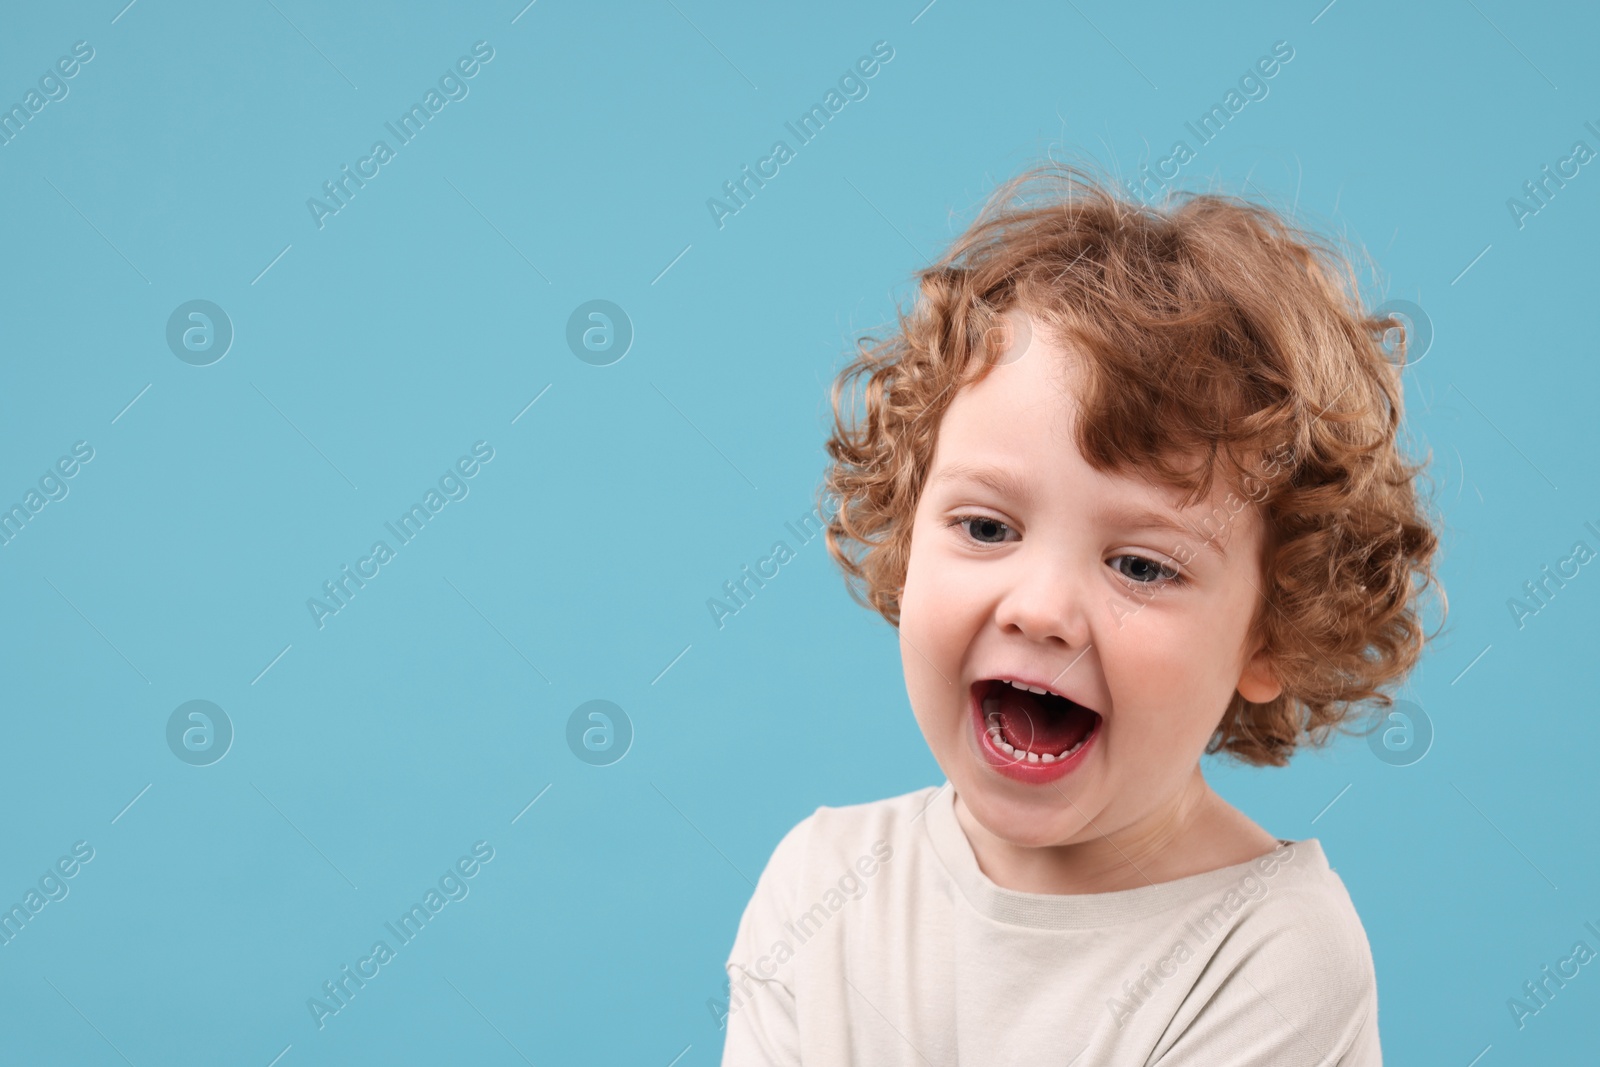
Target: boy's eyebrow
x,y
1126,516
1133,517
1000,480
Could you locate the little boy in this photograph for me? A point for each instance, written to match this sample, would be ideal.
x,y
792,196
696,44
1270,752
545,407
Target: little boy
x,y
1127,483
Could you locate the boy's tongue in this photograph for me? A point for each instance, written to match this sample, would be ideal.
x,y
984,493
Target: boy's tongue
x,y
1041,723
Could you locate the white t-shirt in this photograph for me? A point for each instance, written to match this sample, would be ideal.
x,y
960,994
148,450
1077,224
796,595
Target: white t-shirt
x,y
873,938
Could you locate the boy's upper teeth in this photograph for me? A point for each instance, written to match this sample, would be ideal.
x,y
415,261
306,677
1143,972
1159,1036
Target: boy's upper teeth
x,y
1029,688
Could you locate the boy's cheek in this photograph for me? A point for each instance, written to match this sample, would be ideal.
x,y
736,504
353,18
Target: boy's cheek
x,y
932,606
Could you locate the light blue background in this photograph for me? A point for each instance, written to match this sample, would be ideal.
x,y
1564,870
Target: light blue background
x,y
430,311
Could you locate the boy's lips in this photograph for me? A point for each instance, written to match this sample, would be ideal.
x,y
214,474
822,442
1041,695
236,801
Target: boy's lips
x,y
1029,737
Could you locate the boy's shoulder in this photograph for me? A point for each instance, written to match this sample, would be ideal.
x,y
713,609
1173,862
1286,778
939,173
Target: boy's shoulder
x,y
857,835
1287,937
1288,933
1301,892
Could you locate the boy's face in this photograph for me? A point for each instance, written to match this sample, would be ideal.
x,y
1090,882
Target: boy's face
x,y
1043,581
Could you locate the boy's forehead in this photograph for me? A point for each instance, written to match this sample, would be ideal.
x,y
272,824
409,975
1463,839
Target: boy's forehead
x,y
1015,430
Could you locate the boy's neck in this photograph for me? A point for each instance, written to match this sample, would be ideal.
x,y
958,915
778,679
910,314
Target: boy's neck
x,y
1192,832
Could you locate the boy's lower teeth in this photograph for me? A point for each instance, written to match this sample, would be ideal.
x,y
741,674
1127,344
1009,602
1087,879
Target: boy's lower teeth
x,y
992,720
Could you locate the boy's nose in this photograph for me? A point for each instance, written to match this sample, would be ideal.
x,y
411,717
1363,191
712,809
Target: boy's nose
x,y
1046,602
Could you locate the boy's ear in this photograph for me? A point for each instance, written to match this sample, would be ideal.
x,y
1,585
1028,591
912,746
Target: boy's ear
x,y
1257,683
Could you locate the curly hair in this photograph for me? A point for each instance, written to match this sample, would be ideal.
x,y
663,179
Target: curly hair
x,y
1212,328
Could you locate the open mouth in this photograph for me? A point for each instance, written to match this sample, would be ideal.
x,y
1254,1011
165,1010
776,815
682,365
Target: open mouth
x,y
1024,725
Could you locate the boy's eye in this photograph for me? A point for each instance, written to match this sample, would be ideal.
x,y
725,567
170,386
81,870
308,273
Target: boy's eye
x,y
1147,571
1141,570
983,529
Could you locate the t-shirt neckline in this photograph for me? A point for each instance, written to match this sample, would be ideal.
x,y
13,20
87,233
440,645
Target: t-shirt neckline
x,y
1083,910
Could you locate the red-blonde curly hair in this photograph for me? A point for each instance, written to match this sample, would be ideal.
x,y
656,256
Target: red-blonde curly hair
x,y
1211,329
